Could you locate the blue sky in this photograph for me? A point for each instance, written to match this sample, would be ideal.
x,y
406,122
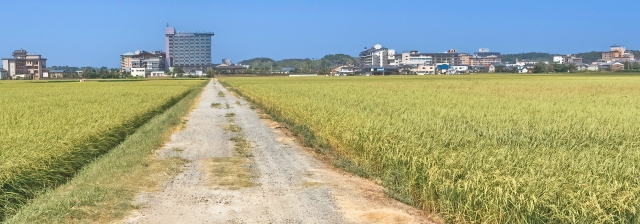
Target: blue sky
x,y
95,33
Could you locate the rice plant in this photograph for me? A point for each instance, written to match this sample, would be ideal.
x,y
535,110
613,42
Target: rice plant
x,y
479,149
48,131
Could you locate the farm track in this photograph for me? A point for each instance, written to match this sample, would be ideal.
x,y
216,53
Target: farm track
x,y
286,183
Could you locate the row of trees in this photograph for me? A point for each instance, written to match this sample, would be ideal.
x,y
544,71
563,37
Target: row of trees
x,y
556,68
300,66
542,67
548,68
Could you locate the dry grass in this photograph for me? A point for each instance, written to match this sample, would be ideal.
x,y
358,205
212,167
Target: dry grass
x,y
234,172
232,128
242,146
231,172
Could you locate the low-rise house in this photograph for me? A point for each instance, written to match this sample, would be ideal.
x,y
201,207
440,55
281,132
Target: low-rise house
x,y
346,71
581,67
459,69
138,72
56,74
492,68
156,74
442,68
604,66
617,67
481,69
424,70
524,70
197,72
230,69
284,70
287,70
593,67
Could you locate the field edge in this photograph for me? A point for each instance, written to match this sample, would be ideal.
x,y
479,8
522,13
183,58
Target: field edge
x,y
323,151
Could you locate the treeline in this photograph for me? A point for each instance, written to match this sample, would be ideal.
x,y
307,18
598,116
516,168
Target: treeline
x,y
300,66
587,57
542,67
90,72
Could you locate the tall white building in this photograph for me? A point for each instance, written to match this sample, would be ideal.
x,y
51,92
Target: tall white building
x,y
376,57
191,50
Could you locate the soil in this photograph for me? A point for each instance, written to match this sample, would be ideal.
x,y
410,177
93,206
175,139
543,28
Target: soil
x,y
269,180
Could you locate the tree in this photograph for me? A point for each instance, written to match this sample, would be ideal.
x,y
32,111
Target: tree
x,y
570,67
542,67
210,72
178,71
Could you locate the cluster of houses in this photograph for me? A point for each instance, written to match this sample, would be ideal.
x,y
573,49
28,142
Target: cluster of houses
x,y
379,60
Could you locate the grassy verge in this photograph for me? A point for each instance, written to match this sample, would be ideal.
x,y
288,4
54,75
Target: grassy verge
x,y
104,190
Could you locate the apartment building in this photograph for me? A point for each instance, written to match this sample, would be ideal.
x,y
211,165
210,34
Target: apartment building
x,y
414,58
25,65
451,57
482,57
617,54
484,61
376,57
151,61
189,50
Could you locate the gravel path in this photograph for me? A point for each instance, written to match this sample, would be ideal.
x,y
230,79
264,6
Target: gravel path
x,y
289,184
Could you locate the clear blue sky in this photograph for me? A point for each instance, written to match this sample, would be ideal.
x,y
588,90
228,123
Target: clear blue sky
x,y
95,33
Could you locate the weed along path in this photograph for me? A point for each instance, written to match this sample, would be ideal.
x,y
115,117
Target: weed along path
x,y
243,169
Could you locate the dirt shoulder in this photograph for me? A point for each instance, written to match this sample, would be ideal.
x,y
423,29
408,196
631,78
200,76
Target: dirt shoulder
x,y
244,169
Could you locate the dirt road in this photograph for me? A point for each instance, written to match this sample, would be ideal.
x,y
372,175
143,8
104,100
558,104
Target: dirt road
x,y
243,169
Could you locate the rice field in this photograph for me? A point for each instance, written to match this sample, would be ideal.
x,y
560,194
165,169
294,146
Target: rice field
x,y
482,148
49,130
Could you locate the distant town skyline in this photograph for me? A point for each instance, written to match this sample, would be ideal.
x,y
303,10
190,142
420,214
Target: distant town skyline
x,y
78,33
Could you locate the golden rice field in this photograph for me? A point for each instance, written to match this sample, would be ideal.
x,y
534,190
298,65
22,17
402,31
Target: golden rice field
x,y
49,130
481,148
